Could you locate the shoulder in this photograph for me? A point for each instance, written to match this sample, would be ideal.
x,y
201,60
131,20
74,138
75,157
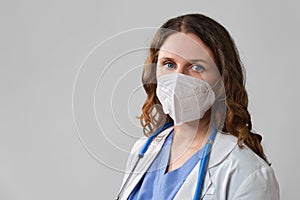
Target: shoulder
x,y
156,142
153,149
243,171
136,148
242,157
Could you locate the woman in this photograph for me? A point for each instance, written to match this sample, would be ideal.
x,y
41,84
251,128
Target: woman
x,y
199,143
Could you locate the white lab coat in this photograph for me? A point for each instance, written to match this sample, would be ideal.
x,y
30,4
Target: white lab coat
x,y
232,173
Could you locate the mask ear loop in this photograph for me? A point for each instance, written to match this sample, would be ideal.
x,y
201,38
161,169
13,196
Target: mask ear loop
x,y
215,84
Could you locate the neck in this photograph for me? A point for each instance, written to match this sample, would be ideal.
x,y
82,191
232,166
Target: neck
x,y
188,138
192,135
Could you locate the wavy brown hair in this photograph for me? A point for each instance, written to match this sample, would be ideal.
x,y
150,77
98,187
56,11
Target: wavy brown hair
x,y
237,118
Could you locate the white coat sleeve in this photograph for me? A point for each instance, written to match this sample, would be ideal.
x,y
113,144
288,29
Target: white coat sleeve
x,y
260,185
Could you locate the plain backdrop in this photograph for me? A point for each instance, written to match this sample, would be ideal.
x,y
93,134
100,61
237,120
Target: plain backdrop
x,y
71,90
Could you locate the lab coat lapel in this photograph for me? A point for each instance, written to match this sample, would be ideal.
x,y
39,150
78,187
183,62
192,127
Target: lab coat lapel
x,y
188,188
146,161
222,146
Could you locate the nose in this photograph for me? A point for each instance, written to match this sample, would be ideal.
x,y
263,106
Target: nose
x,y
183,67
180,70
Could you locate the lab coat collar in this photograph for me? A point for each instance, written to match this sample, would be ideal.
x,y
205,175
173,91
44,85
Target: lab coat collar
x,y
146,161
221,148
223,144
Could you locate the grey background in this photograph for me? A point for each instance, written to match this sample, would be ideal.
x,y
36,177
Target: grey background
x,y
53,149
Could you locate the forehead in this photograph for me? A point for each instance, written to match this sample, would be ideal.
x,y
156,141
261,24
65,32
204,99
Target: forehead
x,y
186,45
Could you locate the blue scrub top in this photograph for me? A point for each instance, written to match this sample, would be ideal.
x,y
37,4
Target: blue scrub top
x,y
159,185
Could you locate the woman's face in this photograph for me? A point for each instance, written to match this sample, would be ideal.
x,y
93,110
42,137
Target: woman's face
x,y
187,54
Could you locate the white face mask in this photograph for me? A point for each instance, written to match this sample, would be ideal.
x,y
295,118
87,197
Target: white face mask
x,y
183,97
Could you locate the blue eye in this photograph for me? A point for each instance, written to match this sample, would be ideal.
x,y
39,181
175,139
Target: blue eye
x,y
198,68
169,65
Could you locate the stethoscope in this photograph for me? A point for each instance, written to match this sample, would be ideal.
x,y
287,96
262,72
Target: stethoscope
x,y
203,163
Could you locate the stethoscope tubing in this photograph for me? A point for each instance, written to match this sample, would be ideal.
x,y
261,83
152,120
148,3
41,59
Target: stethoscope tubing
x,y
203,163
143,151
202,167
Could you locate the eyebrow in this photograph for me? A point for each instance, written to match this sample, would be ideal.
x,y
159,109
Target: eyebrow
x,y
190,60
197,60
166,58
